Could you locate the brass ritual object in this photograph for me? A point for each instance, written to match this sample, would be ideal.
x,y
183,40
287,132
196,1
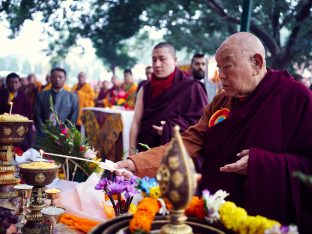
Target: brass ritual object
x,y
24,192
53,194
51,216
177,182
10,133
39,178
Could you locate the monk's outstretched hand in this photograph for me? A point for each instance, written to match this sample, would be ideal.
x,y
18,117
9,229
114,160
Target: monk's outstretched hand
x,y
239,166
125,168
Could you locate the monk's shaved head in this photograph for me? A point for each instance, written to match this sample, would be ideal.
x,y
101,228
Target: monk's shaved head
x,y
167,45
241,62
243,42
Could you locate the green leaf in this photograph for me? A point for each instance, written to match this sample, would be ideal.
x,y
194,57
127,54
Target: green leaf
x,y
145,146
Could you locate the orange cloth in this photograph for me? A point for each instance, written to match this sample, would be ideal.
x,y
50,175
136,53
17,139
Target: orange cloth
x,y
131,90
86,98
38,84
77,223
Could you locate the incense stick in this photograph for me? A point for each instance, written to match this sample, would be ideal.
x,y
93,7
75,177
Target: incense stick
x,y
72,157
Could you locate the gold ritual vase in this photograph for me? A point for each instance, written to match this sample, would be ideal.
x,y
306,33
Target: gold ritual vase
x,y
177,181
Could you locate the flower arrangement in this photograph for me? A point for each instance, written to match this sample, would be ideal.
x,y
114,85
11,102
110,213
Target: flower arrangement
x,y
119,191
66,139
211,207
119,98
143,218
148,207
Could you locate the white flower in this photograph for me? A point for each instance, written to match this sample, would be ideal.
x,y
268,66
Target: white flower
x,y
213,203
90,153
163,209
292,229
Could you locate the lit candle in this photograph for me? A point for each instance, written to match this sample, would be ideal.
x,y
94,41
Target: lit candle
x,y
11,106
41,154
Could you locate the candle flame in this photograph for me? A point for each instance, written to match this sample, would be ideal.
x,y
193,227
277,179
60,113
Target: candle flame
x,y
11,103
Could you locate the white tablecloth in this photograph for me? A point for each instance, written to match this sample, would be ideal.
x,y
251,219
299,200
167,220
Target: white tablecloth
x,y
126,117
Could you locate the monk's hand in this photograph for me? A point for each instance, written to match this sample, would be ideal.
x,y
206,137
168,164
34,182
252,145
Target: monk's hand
x,y
160,128
239,166
125,168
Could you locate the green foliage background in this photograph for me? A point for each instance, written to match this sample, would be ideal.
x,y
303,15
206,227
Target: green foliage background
x,y
284,26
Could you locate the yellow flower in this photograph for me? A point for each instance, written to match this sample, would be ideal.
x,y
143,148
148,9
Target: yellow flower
x,y
155,192
236,219
121,101
132,209
232,216
61,176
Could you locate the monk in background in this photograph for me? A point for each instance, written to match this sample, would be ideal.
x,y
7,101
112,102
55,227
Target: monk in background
x,y
85,94
170,98
31,89
130,87
252,137
102,97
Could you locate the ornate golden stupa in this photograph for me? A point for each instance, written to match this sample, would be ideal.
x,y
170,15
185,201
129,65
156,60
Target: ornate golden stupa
x,y
11,132
177,182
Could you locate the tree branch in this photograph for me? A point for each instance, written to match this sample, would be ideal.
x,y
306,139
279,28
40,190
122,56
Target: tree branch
x,y
219,10
301,16
263,35
275,21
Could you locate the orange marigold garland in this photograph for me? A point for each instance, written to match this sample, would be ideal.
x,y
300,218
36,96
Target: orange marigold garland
x,y
143,218
196,208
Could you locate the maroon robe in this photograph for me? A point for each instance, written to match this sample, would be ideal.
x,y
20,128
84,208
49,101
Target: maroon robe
x,y
275,124
182,105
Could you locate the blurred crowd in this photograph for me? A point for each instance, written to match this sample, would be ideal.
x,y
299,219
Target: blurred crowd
x,y
26,95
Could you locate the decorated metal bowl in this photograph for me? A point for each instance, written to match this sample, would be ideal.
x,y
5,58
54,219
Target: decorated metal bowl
x,y
13,131
120,225
38,173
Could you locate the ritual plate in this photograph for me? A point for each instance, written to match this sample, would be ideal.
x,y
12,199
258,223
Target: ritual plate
x,y
120,225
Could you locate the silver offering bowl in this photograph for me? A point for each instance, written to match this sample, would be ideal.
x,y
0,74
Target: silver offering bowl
x,y
24,192
51,216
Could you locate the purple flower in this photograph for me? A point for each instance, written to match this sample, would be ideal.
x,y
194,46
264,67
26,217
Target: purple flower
x,y
130,191
114,188
102,184
284,229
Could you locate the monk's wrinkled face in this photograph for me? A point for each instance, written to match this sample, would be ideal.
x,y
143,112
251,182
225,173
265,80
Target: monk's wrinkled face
x,y
163,62
58,79
235,71
81,78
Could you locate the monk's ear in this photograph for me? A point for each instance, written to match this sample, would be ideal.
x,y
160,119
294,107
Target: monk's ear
x,y
257,63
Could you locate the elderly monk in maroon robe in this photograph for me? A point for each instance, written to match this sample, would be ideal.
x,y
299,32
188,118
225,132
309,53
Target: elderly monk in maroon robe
x,y
168,99
265,137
